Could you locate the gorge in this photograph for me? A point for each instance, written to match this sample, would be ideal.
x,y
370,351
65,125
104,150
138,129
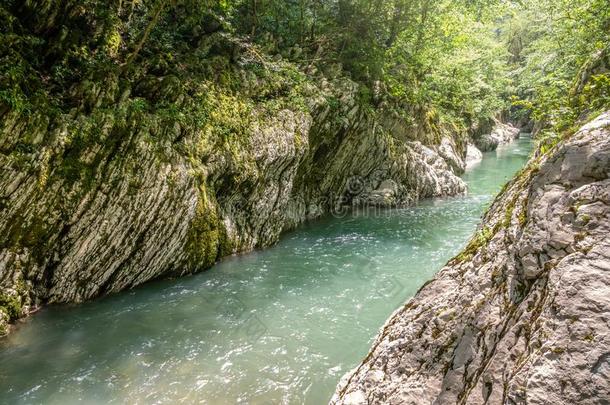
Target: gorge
x,y
276,326
212,201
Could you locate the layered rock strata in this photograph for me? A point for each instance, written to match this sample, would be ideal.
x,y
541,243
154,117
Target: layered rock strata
x,y
521,315
95,203
501,134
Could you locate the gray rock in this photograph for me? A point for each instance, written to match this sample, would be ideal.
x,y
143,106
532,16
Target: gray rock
x,y
501,134
530,306
448,150
385,194
143,199
4,322
473,155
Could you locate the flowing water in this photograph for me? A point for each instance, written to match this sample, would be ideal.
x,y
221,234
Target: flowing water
x,y
280,326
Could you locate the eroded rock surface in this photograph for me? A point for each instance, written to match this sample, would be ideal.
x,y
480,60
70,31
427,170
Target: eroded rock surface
x,y
522,316
142,199
500,135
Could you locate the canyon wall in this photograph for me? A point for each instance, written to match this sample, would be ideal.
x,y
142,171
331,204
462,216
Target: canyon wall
x,y
521,315
127,174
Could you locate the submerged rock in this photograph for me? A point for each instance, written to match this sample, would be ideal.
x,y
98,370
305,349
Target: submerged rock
x,y
521,315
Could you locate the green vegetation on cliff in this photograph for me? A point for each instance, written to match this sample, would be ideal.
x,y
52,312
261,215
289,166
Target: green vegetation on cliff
x,y
427,60
560,56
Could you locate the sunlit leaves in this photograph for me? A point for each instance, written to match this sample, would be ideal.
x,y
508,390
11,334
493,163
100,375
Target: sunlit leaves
x,y
550,41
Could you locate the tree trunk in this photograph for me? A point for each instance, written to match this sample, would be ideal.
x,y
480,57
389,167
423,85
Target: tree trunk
x,y
422,24
254,17
155,18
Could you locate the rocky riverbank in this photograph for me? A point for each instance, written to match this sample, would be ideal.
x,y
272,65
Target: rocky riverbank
x,y
521,315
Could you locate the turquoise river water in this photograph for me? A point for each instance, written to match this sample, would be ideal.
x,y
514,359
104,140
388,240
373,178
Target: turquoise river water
x,y
279,326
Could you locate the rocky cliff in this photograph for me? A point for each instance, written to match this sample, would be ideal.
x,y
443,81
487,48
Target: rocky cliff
x,y
500,134
521,315
115,171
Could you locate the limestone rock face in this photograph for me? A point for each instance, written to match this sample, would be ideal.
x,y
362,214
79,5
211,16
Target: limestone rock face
x,y
357,161
142,214
500,135
521,316
448,150
143,200
473,155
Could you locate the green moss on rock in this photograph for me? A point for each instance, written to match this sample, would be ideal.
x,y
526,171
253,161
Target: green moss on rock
x,y
11,305
480,240
205,235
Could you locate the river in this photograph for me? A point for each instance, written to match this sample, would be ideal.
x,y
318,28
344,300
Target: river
x,y
279,326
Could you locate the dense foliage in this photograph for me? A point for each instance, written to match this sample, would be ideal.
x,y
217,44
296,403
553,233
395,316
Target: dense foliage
x,y
443,57
560,55
457,61
461,59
